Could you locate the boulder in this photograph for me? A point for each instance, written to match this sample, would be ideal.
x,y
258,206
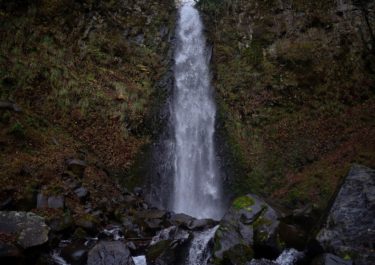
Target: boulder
x,y
29,228
76,166
349,230
181,219
250,222
110,253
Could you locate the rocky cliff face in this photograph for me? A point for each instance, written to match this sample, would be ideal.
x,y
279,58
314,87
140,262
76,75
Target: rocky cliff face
x,y
295,89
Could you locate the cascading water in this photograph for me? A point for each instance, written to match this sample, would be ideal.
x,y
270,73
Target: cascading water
x,y
199,252
197,185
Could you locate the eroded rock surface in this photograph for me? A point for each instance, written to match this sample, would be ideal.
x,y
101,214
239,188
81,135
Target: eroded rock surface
x,y
29,228
350,227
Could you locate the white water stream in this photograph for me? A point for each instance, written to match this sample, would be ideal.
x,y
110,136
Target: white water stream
x,y
197,185
199,252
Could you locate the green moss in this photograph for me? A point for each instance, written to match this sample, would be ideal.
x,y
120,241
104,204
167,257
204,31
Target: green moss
x,y
156,250
244,202
239,254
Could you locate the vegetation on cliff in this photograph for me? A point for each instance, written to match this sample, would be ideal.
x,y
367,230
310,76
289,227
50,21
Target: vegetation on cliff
x,y
83,75
295,89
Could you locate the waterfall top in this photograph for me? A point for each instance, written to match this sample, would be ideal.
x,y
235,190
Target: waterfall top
x,y
185,2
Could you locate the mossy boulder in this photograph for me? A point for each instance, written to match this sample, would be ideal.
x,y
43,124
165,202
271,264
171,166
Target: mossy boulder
x,y
249,223
238,254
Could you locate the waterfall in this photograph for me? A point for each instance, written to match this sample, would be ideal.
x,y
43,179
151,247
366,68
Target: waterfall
x,y
199,252
196,182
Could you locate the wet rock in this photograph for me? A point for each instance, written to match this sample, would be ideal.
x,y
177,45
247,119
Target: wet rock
x,y
75,253
169,246
249,223
29,228
81,193
167,252
202,224
350,228
170,233
181,219
329,259
261,262
55,202
76,166
110,253
7,105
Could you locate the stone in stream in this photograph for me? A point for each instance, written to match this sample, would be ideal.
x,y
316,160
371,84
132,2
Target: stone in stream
x,y
349,230
110,253
250,222
29,228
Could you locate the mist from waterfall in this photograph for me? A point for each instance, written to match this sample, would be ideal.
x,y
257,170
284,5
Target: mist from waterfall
x,y
196,182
